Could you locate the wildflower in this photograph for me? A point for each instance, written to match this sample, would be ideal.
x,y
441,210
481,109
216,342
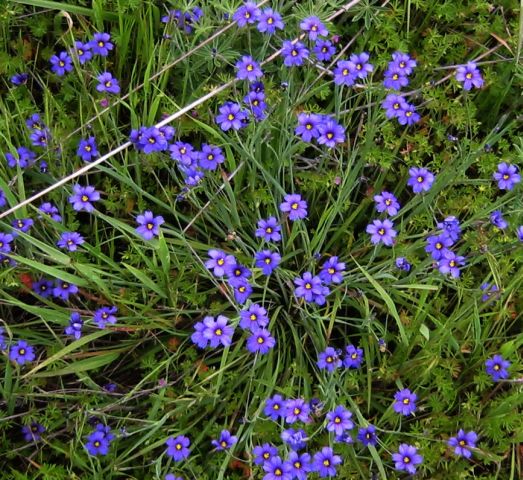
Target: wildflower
x,y
381,231
74,329
210,157
82,198
87,150
70,241
43,287
219,262
324,50
257,104
40,138
354,357
451,228
149,225
61,64
107,83
507,176
269,230
360,65
296,439
339,420
105,315
294,54
260,341
248,13
99,441
183,153
437,245
22,224
325,462
264,453
450,263
5,242
407,458
420,179
403,264
19,79
332,271
491,292
153,140
463,442
300,465
231,116
170,476
275,407
405,402
34,122
24,158
63,289
329,359
387,202
3,200
242,292
237,273
393,105
101,44
344,74
248,69
496,218
307,127
167,132
225,441
403,63
519,233
178,448
408,115
267,261
269,21
218,331
330,133
296,410
295,206
470,76
394,79
254,317
33,432
21,352
83,52
367,435
308,287
497,367
277,469
313,27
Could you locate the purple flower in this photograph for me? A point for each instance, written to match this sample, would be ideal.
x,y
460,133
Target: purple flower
x,y
19,79
242,292
420,179
22,224
3,200
360,64
408,115
325,462
300,465
43,287
294,54
329,359
497,367
70,241
381,231
183,153
21,352
149,225
82,198
344,73
61,64
405,402
403,264
367,435
519,233
218,331
295,206
296,439
450,263
219,261
254,317
105,315
307,127
394,79
387,202
507,176
260,342
32,433
264,453
101,44
353,358
24,158
248,69
40,138
308,287
267,261
324,50
74,329
269,230
277,469
225,441
107,83
437,245
407,458
99,441
496,218
297,410
332,271
63,289
257,104
470,76
451,228
393,105
5,242
339,420
248,13
178,448
231,116
491,292
83,52
269,21
153,140
50,210
330,133
34,122
403,63
210,157
171,476
463,442
275,407
237,274
314,27
87,150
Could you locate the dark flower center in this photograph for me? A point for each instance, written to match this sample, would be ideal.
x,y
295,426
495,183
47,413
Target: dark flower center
x,y
250,68
85,198
308,286
65,286
97,444
381,231
402,64
87,148
108,84
230,117
462,443
21,351
220,261
266,455
314,28
329,359
506,176
330,135
61,63
326,462
178,446
452,263
468,75
150,226
395,76
218,332
210,156
223,443
270,20
354,356
331,271
420,179
80,52
406,459
359,66
268,260
268,230
408,113
496,367
101,44
406,401
297,465
260,340
396,106
241,289
337,420
296,411
278,472
345,72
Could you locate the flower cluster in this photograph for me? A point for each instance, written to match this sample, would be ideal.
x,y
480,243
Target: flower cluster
x,y
357,67
183,20
322,128
438,246
330,359
398,71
